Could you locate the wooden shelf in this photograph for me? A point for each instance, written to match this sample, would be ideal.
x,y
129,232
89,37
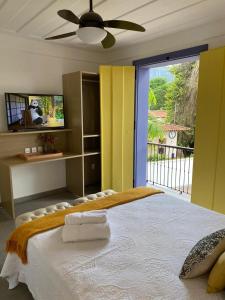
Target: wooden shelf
x,y
91,135
39,156
9,133
89,73
88,153
15,161
90,80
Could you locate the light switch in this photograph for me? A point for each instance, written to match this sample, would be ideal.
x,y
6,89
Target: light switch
x,y
34,149
27,150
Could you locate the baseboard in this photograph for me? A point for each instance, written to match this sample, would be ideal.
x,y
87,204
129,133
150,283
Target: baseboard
x,y
40,195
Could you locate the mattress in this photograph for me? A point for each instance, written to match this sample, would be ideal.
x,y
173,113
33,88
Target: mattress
x,y
150,239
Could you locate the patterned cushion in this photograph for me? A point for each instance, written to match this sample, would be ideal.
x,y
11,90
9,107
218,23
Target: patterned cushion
x,y
203,255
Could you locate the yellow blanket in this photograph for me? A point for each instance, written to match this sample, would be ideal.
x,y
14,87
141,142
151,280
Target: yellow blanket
x,y
18,241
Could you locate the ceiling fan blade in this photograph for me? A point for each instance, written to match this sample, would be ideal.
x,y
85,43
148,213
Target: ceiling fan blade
x,y
123,25
61,36
108,41
69,16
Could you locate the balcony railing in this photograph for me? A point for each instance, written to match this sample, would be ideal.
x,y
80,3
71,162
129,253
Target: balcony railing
x,y
170,166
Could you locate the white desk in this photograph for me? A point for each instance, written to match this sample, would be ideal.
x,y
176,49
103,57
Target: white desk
x,y
6,179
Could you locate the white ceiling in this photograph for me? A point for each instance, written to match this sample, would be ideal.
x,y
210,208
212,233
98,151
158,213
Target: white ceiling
x,y
38,18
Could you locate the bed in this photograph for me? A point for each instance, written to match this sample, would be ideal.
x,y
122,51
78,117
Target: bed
x,y
149,242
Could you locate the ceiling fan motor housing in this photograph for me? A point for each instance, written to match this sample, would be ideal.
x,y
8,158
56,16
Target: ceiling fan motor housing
x,y
91,19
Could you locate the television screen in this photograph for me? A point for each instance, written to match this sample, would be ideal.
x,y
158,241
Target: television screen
x,y
33,111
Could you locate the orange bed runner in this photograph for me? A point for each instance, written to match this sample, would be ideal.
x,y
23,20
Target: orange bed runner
x,y
18,241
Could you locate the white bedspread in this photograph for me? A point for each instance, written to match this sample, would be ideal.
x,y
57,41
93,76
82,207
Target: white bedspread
x,y
149,242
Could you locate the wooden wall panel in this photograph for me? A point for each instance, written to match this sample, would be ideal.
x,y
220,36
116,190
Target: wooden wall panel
x,y
12,145
72,90
7,201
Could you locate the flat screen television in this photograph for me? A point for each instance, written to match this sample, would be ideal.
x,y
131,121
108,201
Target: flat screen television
x,y
34,111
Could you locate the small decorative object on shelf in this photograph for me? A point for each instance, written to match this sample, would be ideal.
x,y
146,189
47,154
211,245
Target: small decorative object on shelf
x,y
48,142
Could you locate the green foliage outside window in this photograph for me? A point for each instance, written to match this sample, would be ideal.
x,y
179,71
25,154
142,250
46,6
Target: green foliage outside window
x,y
159,86
178,99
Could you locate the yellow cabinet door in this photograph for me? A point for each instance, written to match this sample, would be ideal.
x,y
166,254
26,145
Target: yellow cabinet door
x,y
117,126
219,193
208,135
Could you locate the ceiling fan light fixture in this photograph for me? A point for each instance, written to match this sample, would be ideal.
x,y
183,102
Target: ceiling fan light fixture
x,y
92,27
91,35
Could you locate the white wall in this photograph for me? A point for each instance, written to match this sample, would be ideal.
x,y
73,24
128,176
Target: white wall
x,y
39,178
33,66
212,34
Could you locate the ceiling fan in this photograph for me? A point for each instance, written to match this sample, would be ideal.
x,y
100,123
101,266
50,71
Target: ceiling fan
x,y
92,27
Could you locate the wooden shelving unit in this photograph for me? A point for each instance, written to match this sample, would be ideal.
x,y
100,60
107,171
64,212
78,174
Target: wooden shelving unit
x,y
80,143
82,98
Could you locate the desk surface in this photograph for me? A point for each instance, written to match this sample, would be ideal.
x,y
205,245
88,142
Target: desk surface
x,y
15,161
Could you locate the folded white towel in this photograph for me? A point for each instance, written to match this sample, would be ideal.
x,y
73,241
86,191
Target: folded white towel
x,y
87,217
85,232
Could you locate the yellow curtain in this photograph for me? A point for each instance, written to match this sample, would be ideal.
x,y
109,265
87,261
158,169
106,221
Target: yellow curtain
x,y
209,161
117,126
